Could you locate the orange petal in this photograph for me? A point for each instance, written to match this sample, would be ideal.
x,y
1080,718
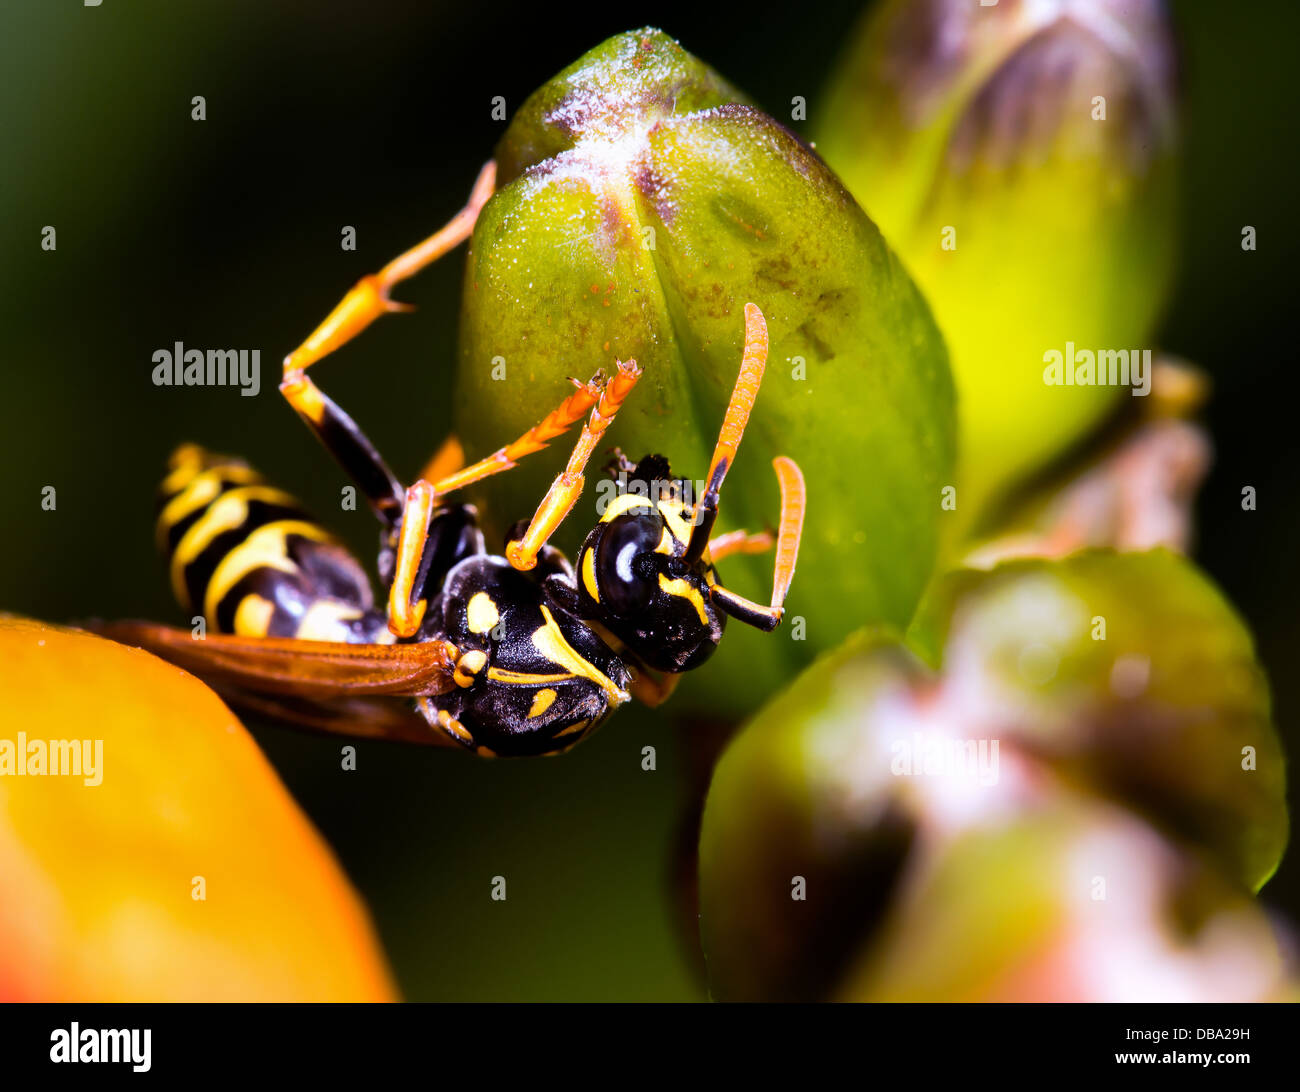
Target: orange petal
x,y
98,882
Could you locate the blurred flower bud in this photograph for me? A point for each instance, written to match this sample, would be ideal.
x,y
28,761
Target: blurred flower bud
x,y
1131,672
849,811
1075,900
1020,159
642,203
1132,487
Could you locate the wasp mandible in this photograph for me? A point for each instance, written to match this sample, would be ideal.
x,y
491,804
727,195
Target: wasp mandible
x,y
502,655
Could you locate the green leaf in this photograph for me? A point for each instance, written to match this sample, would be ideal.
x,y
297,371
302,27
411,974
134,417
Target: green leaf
x,y
643,202
980,127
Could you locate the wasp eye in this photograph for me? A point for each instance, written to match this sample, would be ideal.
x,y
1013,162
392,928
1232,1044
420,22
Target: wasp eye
x,y
627,578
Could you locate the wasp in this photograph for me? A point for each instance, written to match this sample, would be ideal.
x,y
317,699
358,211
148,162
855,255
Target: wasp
x,y
511,654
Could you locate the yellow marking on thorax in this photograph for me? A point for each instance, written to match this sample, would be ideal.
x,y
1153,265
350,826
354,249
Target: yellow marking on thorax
x,y
227,513
686,590
267,546
589,574
550,642
200,490
542,702
481,614
522,678
253,616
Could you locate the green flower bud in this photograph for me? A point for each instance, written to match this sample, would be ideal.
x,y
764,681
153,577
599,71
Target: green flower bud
x,y
1123,677
642,203
1020,158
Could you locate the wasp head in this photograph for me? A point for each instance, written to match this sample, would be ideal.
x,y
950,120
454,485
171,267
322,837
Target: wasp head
x,y
636,577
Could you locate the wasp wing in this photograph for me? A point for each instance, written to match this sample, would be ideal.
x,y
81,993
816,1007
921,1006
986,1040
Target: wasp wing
x,y
331,687
357,718
312,670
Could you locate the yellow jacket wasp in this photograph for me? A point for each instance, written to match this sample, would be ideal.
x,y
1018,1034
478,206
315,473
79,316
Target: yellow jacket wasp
x,y
503,655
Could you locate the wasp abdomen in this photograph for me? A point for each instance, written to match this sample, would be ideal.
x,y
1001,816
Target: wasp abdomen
x,y
248,558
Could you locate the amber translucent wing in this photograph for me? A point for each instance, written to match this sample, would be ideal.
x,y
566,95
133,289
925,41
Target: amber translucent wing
x,y
315,671
357,718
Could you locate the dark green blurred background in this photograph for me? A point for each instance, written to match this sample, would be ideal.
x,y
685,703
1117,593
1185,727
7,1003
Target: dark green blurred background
x,y
225,233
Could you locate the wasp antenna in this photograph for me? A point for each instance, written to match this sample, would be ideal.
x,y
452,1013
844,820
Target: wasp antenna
x,y
743,395
793,502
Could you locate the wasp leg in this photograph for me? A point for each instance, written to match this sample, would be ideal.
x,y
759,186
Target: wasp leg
x,y
446,470
740,542
793,503
554,424
405,613
449,458
653,688
350,447
447,724
369,297
567,487
359,308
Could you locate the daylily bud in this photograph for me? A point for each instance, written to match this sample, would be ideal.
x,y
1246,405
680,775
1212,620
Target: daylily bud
x,y
1026,695
642,203
1019,157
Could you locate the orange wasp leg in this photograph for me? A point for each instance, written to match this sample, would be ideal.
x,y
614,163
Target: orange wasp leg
x,y
420,502
404,612
360,307
740,542
369,297
567,487
554,424
655,688
449,726
449,458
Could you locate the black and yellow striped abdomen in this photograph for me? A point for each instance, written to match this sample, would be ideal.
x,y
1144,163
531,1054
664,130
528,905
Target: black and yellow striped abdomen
x,y
245,556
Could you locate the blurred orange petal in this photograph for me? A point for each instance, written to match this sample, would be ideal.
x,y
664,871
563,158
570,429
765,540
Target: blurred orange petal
x,y
98,882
